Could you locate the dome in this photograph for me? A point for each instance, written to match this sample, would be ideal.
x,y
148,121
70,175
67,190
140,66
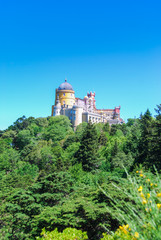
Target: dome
x,y
65,86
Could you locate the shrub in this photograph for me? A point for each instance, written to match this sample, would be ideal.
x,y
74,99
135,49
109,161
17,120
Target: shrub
x,y
67,234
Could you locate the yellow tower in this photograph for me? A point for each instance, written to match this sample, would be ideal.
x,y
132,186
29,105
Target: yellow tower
x,y
66,94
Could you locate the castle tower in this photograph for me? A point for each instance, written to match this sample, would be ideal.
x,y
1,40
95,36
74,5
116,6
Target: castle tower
x,y
64,98
57,108
66,95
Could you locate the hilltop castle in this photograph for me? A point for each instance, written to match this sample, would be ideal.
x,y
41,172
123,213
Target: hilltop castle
x,y
82,110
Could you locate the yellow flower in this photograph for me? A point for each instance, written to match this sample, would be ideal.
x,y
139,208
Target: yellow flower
x,y
151,184
136,235
148,195
140,189
150,201
146,209
127,226
158,194
137,171
158,205
144,201
148,180
142,195
156,185
124,228
141,175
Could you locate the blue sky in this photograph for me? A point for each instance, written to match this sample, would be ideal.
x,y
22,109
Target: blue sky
x,y
110,47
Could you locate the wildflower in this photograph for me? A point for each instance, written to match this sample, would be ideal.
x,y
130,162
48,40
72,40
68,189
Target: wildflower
x,y
140,189
151,184
124,228
158,194
136,235
158,205
142,195
148,195
156,185
144,201
141,175
137,171
148,180
150,201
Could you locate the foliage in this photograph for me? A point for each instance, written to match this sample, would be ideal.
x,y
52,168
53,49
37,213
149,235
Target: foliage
x,y
67,234
87,153
54,177
140,217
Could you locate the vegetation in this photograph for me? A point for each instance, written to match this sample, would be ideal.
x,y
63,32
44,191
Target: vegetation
x,y
98,182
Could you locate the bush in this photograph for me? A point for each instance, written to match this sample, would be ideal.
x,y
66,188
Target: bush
x,y
67,234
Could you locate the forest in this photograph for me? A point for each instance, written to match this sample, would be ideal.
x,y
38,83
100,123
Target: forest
x,y
97,182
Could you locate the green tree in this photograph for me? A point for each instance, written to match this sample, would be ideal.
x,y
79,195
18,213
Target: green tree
x,y
87,153
156,140
23,138
59,127
145,139
102,139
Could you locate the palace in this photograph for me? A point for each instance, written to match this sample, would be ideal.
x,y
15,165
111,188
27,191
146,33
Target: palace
x,y
82,110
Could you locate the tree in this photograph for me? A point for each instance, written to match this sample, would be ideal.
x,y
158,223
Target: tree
x,y
59,127
106,127
156,140
23,138
87,153
145,139
102,139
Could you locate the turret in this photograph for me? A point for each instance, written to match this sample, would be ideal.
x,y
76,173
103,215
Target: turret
x,y
66,94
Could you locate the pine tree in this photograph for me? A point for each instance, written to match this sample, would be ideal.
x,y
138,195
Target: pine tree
x,y
156,140
146,137
87,153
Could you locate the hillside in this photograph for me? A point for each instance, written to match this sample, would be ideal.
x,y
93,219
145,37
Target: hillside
x,y
54,177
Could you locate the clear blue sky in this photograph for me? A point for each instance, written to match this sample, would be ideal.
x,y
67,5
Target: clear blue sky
x,y
112,47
